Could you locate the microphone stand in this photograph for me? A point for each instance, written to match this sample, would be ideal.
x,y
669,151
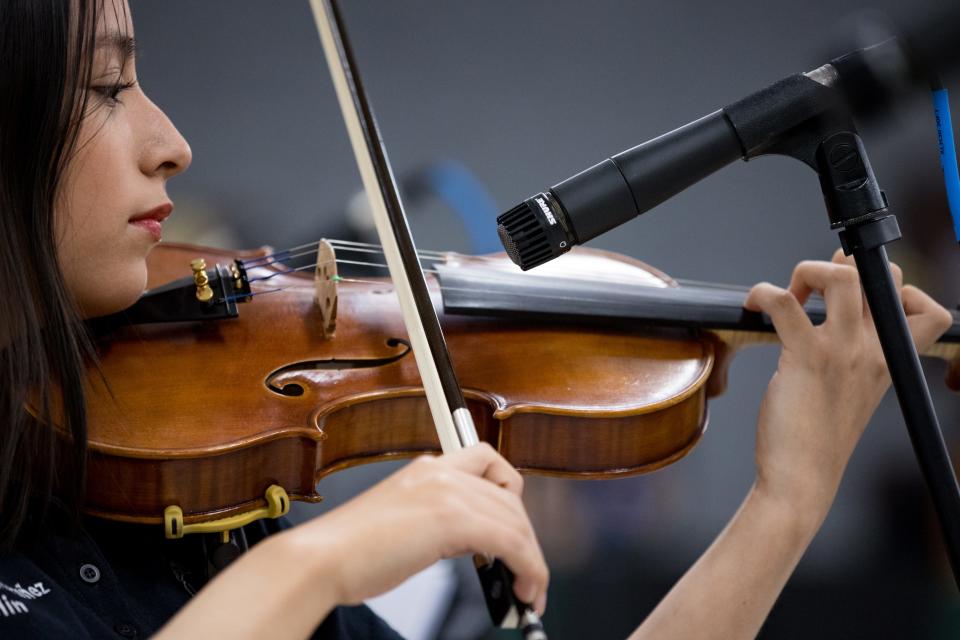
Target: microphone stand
x,y
805,116
864,234
857,208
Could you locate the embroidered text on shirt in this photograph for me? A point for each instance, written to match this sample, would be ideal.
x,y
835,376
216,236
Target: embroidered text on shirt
x,y
10,607
29,593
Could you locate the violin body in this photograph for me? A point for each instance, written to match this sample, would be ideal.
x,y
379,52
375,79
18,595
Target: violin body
x,y
207,415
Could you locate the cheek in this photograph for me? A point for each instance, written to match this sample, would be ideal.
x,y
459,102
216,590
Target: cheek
x,y
102,261
101,279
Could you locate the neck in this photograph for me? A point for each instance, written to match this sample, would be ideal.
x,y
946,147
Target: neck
x,y
717,309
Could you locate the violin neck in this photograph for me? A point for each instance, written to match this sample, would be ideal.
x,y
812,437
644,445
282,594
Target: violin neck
x,y
715,308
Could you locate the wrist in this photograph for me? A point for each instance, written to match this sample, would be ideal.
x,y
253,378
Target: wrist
x,y
799,512
314,567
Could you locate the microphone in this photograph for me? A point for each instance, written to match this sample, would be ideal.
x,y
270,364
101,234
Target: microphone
x,y
618,189
630,183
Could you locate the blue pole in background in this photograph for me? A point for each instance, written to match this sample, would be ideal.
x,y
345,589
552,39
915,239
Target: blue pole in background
x,y
948,155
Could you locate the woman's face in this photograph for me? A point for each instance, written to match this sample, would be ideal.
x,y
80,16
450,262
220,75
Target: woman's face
x,y
114,195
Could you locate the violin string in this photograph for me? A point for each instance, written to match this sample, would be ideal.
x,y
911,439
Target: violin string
x,y
442,288
286,258
718,298
243,296
437,256
280,256
692,294
380,252
712,296
315,264
285,254
343,245
338,279
357,280
367,247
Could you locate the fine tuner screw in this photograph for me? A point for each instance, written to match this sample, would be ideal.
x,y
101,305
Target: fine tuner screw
x,y
204,292
235,272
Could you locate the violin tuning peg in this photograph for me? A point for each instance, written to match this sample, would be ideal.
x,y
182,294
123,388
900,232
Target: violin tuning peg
x,y
199,267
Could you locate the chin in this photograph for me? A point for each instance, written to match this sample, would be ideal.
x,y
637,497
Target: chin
x,y
119,294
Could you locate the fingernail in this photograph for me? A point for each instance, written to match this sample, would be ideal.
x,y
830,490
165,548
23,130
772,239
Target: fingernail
x,y
540,606
526,592
530,594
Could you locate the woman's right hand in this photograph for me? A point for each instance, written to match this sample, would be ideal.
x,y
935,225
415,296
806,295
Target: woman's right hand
x,y
433,508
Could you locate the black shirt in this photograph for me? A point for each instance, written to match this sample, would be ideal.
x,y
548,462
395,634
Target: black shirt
x,y
115,580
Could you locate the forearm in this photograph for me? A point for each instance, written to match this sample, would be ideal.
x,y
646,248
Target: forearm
x,y
732,587
276,590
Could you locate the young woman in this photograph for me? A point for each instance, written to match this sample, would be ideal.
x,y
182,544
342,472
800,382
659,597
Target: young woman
x,y
84,161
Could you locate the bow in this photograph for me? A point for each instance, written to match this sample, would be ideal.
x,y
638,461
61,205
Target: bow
x,y
448,407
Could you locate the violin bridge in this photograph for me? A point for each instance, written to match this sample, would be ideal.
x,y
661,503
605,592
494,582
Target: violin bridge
x,y
325,280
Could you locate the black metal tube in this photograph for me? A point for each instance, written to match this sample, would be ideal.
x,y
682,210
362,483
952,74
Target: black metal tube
x,y
912,393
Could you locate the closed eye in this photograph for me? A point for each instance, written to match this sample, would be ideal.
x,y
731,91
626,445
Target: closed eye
x,y
111,92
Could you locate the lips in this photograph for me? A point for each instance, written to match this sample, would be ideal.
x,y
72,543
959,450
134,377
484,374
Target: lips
x,y
159,214
150,221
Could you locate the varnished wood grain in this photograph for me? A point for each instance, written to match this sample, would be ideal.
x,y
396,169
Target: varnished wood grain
x,y
189,419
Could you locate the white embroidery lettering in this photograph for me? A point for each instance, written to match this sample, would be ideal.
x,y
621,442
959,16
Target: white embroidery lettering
x,y
11,607
32,592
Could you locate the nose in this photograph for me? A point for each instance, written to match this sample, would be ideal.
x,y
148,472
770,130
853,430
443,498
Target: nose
x,y
166,152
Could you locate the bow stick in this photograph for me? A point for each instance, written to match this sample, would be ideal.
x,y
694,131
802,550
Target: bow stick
x,y
448,407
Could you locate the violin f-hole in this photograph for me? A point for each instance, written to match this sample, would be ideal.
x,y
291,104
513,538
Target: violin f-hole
x,y
295,389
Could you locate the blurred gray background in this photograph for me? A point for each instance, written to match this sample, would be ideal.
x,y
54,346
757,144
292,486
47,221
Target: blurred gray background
x,y
522,95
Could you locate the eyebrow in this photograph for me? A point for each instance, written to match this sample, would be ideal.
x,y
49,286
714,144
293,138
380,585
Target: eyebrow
x,y
123,43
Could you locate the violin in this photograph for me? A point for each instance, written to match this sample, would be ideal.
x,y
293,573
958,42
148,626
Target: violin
x,y
594,366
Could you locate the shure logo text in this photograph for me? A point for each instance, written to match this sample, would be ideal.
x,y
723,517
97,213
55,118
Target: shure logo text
x,y
546,211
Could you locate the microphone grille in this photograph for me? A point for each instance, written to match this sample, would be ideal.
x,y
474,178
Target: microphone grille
x,y
524,237
508,244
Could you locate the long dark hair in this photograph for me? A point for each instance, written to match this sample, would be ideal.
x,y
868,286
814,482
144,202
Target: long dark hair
x,y
46,55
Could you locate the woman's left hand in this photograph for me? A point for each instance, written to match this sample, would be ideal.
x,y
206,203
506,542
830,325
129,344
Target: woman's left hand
x,y
829,380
